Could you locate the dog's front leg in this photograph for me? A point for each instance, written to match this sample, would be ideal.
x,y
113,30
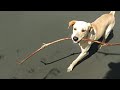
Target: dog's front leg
x,y
84,53
80,57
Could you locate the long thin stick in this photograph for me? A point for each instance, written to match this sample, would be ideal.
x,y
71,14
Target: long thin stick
x,y
104,44
63,39
42,47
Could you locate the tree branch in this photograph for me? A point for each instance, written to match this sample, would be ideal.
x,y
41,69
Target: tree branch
x,y
63,39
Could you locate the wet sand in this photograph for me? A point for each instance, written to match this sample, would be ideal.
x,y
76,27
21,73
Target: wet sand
x,y
22,32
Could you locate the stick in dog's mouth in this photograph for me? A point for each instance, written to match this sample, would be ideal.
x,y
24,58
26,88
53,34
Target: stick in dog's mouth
x,y
80,40
63,39
45,45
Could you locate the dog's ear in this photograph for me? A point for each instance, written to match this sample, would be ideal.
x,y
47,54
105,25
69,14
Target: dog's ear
x,y
71,23
90,28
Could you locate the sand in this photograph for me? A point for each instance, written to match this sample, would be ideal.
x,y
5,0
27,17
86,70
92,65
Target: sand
x,y
22,32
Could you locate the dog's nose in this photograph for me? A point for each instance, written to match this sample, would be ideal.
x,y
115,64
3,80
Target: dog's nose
x,y
75,38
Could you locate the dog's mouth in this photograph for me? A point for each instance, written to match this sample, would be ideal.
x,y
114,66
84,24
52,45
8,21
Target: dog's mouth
x,y
78,41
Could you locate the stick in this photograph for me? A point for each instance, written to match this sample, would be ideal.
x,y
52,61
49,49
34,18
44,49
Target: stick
x,y
63,39
104,44
42,47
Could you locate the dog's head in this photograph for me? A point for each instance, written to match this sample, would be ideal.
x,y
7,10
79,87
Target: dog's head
x,y
80,30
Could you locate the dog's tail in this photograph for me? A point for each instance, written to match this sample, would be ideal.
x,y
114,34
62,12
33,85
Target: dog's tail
x,y
112,12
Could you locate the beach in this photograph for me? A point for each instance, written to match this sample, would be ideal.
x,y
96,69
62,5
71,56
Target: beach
x,y
22,32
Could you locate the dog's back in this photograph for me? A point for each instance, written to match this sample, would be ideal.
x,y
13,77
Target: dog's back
x,y
113,13
105,19
101,24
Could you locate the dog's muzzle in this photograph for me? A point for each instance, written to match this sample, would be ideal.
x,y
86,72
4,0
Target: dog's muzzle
x,y
75,38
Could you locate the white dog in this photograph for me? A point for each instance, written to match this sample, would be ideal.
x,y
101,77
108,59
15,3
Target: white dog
x,y
95,30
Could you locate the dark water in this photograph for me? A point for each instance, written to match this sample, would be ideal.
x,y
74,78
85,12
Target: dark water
x,y
22,32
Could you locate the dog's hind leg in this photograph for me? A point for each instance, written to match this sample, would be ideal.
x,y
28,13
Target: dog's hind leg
x,y
107,33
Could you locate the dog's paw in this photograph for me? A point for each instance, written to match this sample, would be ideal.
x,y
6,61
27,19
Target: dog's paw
x,y
69,69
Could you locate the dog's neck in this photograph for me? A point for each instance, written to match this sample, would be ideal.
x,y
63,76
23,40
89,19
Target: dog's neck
x,y
91,33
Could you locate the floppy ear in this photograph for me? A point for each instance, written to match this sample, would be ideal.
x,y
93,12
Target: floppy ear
x,y
90,28
71,23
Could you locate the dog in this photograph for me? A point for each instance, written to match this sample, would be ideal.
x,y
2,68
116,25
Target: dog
x,y
101,27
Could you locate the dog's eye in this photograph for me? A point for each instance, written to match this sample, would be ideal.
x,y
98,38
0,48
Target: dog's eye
x,y
75,29
83,30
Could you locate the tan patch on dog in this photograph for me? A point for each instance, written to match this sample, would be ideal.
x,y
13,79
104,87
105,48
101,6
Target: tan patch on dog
x,y
71,23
